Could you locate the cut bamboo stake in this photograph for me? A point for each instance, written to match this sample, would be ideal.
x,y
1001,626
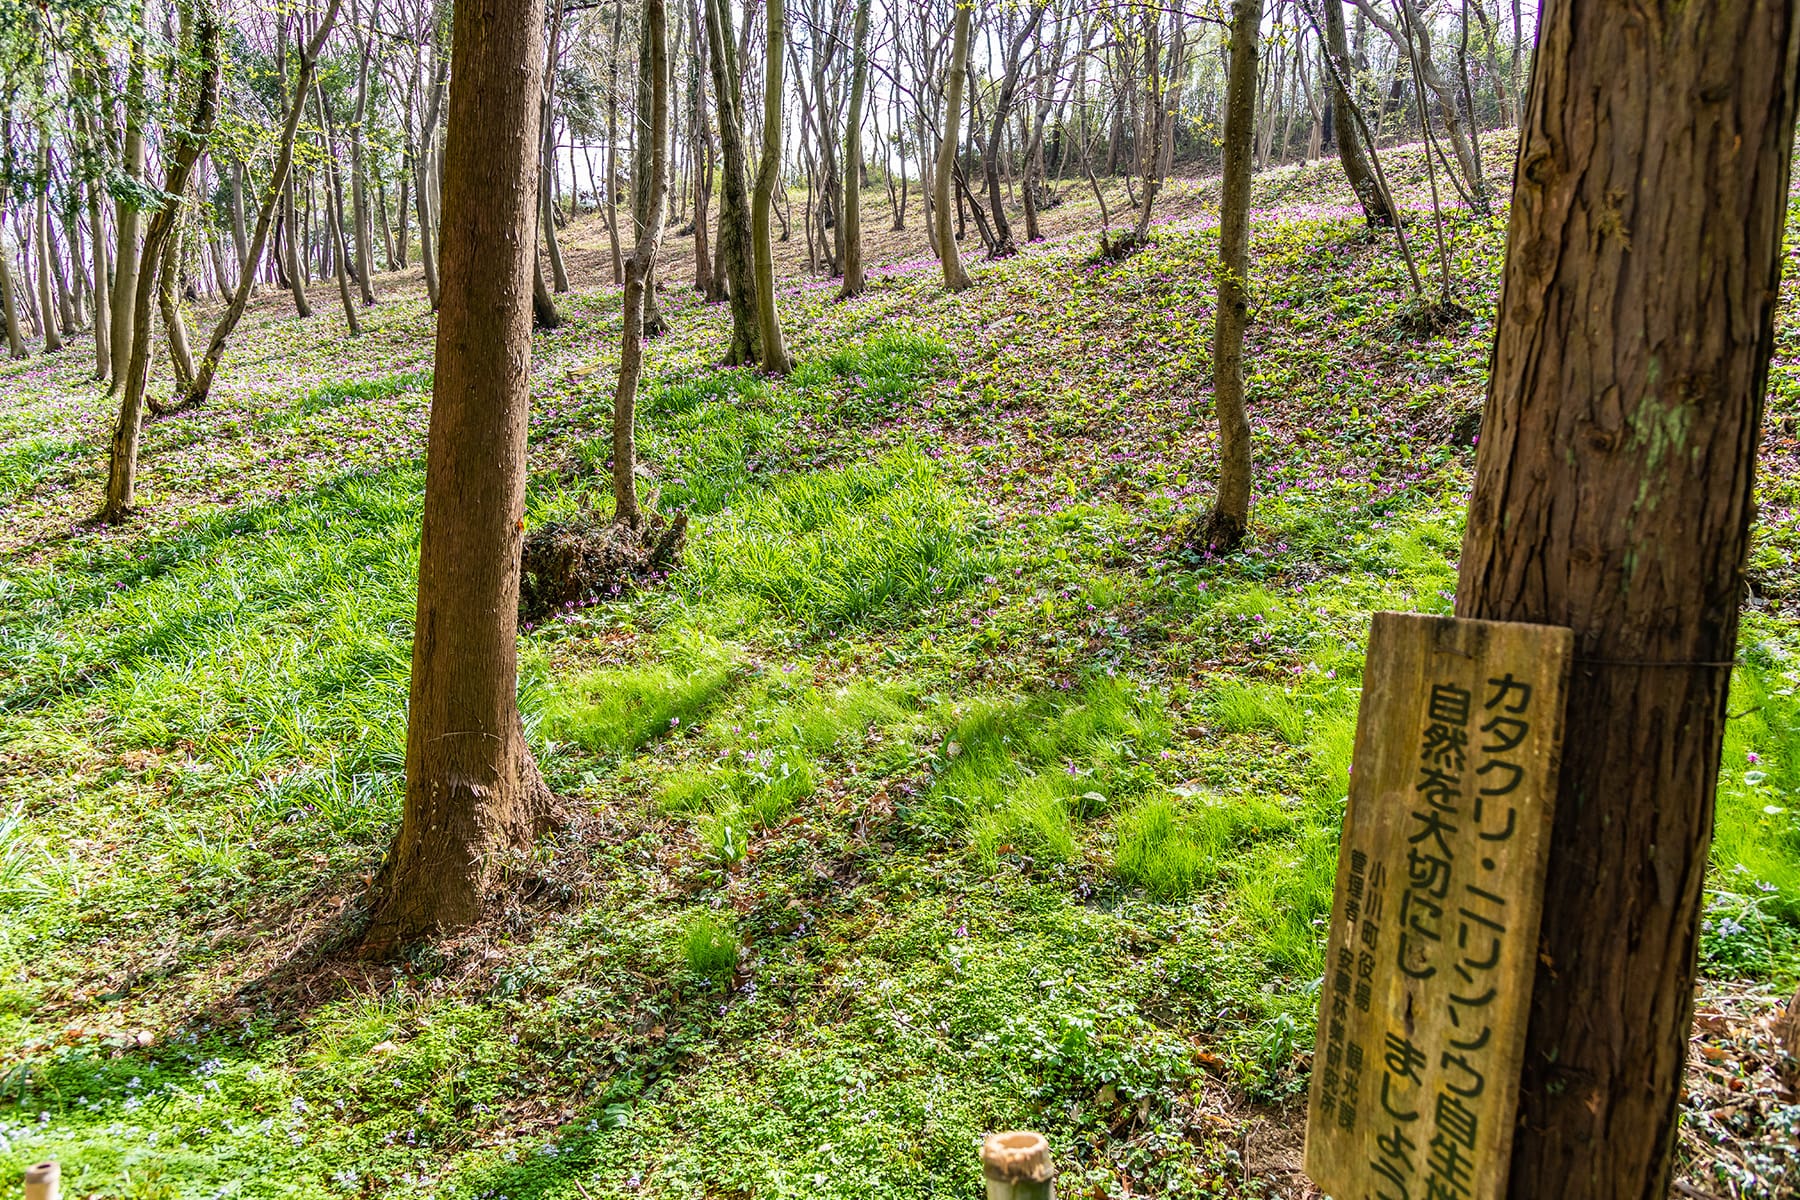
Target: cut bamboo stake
x,y
1017,1166
43,1181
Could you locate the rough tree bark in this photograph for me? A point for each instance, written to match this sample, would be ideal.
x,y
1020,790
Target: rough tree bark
x,y
473,792
1230,514
653,113
768,175
955,277
1613,495
735,258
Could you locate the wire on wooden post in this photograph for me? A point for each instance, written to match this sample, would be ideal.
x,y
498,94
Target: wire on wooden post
x,y
1017,1166
43,1181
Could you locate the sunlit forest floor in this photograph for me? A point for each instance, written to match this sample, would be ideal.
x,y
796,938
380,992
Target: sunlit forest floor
x,y
936,793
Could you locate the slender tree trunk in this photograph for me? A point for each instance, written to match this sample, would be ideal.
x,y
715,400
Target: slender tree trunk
x,y
1230,515
125,216
735,240
181,359
280,179
1614,494
102,288
955,277
334,217
708,282
9,307
422,185
851,221
546,175
473,792
359,181
653,113
612,144
41,245
185,145
768,175
1351,151
644,150
239,241
295,250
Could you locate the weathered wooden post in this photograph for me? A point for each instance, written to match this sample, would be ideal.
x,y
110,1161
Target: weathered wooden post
x,y
1434,928
43,1181
1017,1166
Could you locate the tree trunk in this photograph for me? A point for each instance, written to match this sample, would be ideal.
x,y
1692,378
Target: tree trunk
x,y
768,175
422,183
1613,495
239,241
40,241
1351,151
359,181
294,251
653,112
546,175
955,277
735,240
644,149
1230,515
181,359
851,217
706,281
612,144
334,217
9,306
185,144
473,792
126,220
279,180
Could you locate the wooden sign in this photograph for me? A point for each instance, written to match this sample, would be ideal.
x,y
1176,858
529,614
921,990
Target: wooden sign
x,y
1434,927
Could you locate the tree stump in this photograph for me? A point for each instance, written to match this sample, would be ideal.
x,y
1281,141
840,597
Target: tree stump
x,y
1017,1166
43,1181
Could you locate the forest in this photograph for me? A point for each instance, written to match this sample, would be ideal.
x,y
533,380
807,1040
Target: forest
x,y
669,598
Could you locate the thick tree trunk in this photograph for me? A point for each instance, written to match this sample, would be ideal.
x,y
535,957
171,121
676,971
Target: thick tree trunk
x,y
653,113
1230,514
735,240
1613,495
184,148
851,218
473,792
768,175
955,277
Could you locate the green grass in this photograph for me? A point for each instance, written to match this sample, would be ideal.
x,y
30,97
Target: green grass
x,y
709,945
935,794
